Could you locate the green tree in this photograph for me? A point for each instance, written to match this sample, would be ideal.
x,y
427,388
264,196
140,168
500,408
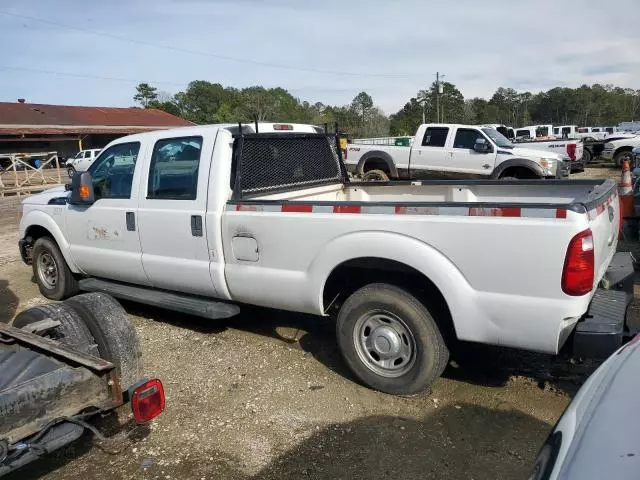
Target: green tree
x,y
362,104
145,94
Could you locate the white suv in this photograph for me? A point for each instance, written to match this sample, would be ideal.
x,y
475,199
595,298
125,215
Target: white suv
x,y
82,161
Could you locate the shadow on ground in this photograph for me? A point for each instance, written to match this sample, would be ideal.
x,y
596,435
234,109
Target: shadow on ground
x,y
451,443
8,302
472,363
108,425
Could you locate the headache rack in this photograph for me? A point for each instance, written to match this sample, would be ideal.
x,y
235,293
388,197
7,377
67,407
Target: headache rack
x,y
266,163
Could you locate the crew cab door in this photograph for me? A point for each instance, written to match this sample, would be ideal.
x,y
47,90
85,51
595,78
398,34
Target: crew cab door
x,y
171,210
428,156
103,237
464,160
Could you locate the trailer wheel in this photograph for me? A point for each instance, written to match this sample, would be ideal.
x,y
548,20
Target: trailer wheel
x,y
71,332
113,332
390,341
55,279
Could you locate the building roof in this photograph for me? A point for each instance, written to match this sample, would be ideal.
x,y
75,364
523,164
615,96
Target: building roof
x,y
33,118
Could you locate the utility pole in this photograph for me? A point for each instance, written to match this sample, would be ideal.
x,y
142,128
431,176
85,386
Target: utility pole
x,y
438,93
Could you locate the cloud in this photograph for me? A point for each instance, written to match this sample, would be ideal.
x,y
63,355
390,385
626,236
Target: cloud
x,y
390,49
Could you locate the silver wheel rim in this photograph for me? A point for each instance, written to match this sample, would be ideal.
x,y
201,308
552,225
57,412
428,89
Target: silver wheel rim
x,y
47,270
384,343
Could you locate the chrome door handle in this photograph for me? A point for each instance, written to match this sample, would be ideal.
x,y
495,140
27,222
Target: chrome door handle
x,y
486,165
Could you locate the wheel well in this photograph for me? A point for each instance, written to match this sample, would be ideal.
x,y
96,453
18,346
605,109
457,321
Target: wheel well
x,y
354,274
35,232
622,149
519,172
375,164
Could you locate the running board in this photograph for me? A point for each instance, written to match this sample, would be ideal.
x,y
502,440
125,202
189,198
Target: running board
x,y
179,302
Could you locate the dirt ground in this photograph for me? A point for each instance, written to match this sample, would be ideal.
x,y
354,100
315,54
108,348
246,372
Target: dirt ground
x,y
265,395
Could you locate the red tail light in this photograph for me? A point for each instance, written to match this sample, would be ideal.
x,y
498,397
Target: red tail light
x,y
579,264
571,151
344,153
147,401
282,126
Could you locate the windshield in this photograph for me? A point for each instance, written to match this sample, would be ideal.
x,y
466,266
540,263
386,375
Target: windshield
x,y
499,139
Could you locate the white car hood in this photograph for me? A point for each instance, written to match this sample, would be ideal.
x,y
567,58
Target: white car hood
x,y
44,197
530,153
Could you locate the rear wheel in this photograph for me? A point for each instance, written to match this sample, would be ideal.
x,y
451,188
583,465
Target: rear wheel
x,y
390,340
586,156
55,279
375,176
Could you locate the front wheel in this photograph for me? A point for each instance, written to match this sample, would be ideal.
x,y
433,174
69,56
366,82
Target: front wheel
x,y
390,340
622,156
55,279
71,171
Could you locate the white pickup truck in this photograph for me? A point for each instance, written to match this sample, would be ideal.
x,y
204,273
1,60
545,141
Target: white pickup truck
x,y
205,219
449,151
620,149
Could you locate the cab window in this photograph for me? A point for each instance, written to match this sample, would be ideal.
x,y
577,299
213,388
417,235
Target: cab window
x,y
435,137
466,138
173,174
112,172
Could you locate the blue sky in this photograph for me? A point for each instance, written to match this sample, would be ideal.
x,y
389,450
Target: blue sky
x,y
325,50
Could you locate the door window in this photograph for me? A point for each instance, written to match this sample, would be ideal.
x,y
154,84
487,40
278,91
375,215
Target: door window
x,y
435,137
466,138
87,154
173,174
112,172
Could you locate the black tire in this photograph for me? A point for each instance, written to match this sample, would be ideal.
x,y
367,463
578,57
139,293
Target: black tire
x,y
65,284
429,353
71,332
71,171
113,333
375,176
586,157
620,156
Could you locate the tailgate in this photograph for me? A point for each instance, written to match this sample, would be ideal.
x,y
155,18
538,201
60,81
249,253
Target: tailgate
x,y
604,213
579,150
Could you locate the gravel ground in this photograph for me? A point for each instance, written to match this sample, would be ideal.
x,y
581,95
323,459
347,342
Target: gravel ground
x,y
265,395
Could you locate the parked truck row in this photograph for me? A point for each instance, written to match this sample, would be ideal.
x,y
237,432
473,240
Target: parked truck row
x,y
206,219
450,151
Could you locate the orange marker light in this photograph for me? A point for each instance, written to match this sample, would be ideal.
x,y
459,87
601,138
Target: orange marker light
x,y
84,191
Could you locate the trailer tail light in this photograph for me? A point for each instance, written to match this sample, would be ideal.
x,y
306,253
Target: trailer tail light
x,y
282,126
578,271
147,401
571,151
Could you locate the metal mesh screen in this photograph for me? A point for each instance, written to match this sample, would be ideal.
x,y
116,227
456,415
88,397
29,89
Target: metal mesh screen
x,y
269,163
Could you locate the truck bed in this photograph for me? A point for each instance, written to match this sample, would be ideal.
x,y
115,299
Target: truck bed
x,y
575,195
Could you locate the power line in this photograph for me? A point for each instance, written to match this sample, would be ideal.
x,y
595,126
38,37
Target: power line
x,y
206,54
83,75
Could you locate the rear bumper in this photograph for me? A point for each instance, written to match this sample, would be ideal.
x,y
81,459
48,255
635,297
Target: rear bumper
x,y
602,330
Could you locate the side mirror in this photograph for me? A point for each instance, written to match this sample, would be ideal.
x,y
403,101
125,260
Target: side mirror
x,y
82,189
481,146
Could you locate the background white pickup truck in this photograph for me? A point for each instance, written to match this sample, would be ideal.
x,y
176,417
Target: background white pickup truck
x,y
620,150
203,219
82,161
449,151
